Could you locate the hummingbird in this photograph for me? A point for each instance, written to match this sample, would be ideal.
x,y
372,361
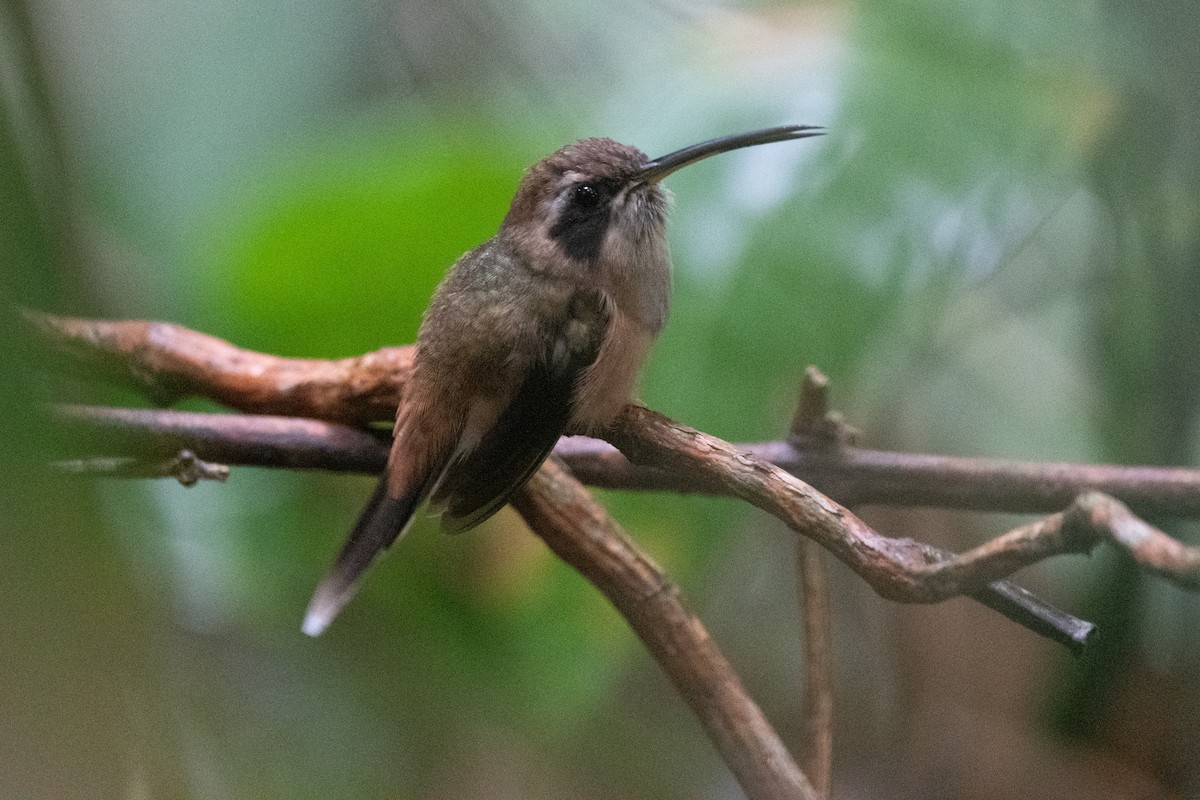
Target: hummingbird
x,y
542,329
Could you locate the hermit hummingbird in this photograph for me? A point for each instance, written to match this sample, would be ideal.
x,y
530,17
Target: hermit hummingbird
x,y
539,330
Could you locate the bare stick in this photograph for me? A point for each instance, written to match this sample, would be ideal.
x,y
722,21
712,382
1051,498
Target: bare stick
x,y
300,443
291,443
1099,517
813,418
169,362
580,532
858,476
178,361
813,588
235,439
899,569
186,468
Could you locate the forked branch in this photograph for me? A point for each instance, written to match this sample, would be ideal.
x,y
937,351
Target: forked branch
x,y
321,409
580,532
171,362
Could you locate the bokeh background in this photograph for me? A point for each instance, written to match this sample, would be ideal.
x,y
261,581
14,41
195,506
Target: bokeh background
x,y
995,251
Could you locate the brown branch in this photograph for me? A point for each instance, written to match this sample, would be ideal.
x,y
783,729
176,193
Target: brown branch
x,y
237,440
813,418
185,467
1099,517
812,585
580,532
860,476
900,569
895,568
293,443
169,362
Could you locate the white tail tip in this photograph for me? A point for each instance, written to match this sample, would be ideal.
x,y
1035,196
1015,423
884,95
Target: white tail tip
x,y
321,611
314,624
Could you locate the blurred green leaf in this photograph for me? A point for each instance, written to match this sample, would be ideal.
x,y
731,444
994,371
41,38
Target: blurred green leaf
x,y
337,251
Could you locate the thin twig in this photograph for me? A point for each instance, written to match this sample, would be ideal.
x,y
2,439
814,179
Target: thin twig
x,y
813,418
812,585
240,440
814,421
167,362
899,569
859,476
186,468
1100,517
580,532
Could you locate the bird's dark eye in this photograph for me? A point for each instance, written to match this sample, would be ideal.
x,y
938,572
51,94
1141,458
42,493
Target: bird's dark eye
x,y
585,196
583,219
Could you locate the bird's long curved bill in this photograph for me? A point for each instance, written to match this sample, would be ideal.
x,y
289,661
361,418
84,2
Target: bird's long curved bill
x,y
661,167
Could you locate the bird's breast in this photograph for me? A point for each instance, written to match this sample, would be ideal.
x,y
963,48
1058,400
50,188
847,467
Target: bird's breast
x,y
608,384
635,276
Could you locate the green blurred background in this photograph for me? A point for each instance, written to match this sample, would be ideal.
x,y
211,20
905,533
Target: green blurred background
x,y
995,251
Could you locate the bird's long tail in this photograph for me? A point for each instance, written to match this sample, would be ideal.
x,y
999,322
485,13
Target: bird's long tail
x,y
384,520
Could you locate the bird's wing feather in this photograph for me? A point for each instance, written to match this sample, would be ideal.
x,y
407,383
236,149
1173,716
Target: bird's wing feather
x,y
479,483
470,488
467,470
